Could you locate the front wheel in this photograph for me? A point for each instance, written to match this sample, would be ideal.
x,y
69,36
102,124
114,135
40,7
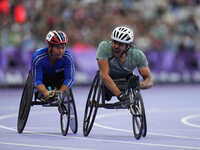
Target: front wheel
x,y
64,119
138,115
73,113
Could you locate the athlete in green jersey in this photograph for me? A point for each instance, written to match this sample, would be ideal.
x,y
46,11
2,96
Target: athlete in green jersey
x,y
118,58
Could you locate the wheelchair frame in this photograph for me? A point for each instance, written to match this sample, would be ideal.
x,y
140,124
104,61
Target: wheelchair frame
x,y
96,99
69,113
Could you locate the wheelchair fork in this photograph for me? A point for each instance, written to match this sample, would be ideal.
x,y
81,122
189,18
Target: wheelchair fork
x,y
61,107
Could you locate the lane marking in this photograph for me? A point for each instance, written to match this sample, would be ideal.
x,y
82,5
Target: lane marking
x,y
185,120
42,146
29,132
149,133
106,141
96,139
7,116
147,144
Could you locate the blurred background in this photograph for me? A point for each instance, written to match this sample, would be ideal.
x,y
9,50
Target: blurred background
x,y
166,30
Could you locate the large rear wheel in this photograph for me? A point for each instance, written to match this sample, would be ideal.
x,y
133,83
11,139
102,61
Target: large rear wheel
x,y
91,105
25,104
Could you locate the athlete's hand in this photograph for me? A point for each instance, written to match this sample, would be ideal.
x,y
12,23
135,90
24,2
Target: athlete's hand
x,y
49,95
133,81
123,97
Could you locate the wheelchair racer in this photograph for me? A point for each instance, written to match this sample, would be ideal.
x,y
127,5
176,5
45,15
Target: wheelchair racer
x,y
118,58
53,67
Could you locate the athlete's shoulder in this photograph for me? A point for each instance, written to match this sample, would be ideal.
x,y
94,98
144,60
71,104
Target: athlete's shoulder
x,y
105,44
134,50
40,53
68,55
104,50
68,52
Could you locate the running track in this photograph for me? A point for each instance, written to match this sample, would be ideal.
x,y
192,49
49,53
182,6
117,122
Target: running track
x,y
173,117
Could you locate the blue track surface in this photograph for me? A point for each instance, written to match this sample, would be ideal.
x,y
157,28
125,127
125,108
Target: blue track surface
x,y
173,117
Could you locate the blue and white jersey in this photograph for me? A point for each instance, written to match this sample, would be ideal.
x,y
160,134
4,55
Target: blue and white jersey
x,y
40,65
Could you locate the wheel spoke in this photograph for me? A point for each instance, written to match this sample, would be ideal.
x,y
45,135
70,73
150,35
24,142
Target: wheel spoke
x,y
137,111
91,106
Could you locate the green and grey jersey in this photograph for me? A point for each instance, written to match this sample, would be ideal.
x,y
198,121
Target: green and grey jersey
x,y
135,59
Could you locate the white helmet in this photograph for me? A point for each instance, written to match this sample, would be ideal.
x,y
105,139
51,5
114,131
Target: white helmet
x,y
122,34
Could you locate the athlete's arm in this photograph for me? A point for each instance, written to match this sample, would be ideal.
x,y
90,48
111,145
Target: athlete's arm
x,y
37,74
104,74
145,73
42,89
63,88
69,73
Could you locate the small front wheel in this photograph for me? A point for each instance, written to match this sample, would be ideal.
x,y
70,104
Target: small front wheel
x,y
64,119
138,115
73,113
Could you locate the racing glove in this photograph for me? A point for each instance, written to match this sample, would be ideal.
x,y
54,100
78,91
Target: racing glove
x,y
123,97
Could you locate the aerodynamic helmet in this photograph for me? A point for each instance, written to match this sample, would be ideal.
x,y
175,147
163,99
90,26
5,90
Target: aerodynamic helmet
x,y
56,38
122,34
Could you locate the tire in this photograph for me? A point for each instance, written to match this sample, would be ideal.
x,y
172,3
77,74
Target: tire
x,y
64,119
138,115
92,105
144,132
25,104
73,123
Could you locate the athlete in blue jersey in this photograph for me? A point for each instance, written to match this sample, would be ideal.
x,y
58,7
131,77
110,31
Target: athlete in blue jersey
x,y
53,67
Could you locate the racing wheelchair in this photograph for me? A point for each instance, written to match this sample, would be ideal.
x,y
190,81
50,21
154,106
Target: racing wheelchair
x,y
65,103
96,99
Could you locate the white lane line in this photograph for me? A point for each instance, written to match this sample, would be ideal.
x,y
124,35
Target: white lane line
x,y
119,142
149,133
157,134
7,128
31,145
42,146
185,120
7,116
147,144
107,140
